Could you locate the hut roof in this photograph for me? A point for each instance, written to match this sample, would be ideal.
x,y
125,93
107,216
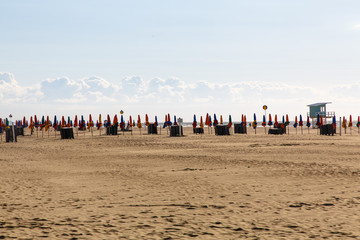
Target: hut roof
x,y
318,104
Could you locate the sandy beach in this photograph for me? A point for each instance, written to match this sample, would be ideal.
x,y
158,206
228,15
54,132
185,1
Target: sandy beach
x,y
193,187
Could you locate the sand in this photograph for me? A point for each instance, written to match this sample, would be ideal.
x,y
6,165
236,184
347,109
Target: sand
x,y
194,187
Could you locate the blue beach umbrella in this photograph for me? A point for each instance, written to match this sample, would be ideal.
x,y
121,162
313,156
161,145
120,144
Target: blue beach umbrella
x,y
122,123
318,120
254,124
264,121
301,123
215,120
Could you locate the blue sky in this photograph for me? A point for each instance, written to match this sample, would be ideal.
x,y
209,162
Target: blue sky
x,y
185,57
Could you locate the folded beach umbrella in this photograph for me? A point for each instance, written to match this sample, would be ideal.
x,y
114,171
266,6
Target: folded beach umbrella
x,y
146,120
221,119
36,122
139,125
254,124
69,122
308,124
156,121
47,123
244,123
201,122
31,126
270,123
210,122
62,121
301,123
215,120
90,122
264,121
175,122
318,120
194,122
116,122
165,122
350,121
42,123
334,122
287,120
1,126
296,122
169,121
108,122
99,124
82,123
7,125
24,124
122,123
321,121
55,123
230,121
76,123
358,122
283,124
344,123
276,124
207,120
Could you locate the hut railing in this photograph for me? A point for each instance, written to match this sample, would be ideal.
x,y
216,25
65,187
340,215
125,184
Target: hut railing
x,y
323,114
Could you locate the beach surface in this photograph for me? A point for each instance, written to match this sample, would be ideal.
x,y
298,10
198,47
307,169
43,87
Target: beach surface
x,y
139,186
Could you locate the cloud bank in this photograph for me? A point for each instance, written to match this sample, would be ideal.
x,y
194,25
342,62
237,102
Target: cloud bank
x,y
65,96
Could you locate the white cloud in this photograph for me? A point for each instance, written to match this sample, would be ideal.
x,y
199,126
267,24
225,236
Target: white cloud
x,y
171,94
12,92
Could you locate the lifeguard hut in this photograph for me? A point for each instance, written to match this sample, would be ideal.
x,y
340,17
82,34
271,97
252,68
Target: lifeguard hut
x,y
316,109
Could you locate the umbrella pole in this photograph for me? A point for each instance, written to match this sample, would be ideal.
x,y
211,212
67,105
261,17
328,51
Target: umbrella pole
x,y
265,130
160,130
92,133
140,131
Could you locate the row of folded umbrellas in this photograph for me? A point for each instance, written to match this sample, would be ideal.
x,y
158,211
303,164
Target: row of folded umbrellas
x,y
80,123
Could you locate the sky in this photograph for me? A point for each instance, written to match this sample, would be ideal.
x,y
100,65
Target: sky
x,y
178,57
